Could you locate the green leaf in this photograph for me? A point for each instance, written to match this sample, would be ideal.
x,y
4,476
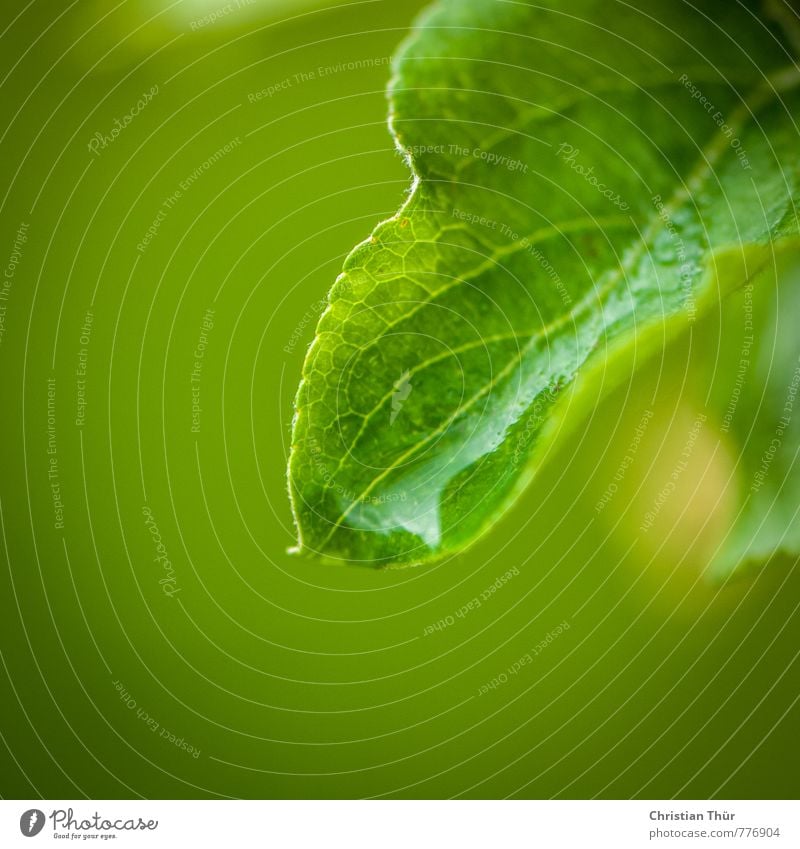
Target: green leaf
x,y
756,401
588,179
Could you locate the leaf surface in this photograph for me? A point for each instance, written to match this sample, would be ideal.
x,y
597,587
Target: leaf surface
x,y
588,179
755,400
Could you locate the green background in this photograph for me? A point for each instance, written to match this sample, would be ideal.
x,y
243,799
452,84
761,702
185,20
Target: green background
x,y
296,679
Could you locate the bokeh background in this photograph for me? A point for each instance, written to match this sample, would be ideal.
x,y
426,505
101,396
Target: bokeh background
x,y
165,282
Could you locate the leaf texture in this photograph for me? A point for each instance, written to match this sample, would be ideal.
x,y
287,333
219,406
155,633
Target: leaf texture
x,y
588,179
